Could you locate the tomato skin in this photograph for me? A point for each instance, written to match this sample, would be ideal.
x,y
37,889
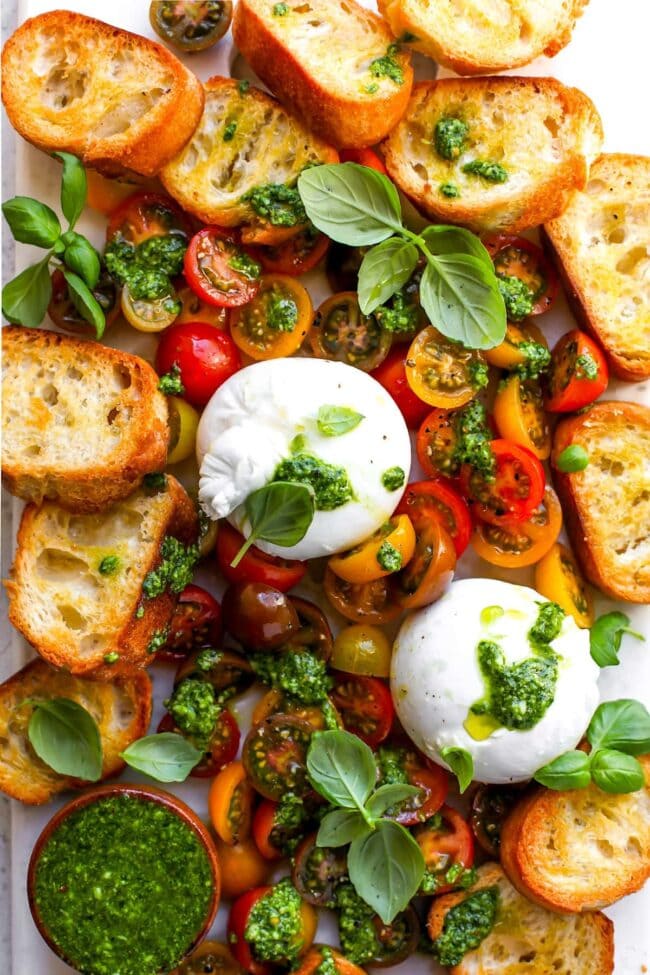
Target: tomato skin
x,y
256,566
230,802
314,958
558,578
211,958
145,215
259,616
211,250
196,622
249,326
205,356
183,421
490,807
523,259
432,780
516,544
188,26
362,649
361,563
426,499
237,921
301,253
315,633
242,866
368,602
193,309
508,354
365,705
569,387
392,376
517,471
364,157
519,416
453,842
263,825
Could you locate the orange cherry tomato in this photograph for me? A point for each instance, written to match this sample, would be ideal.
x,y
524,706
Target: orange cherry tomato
x,y
519,258
274,324
212,958
444,373
267,234
514,544
578,373
520,417
366,602
386,551
106,195
342,332
431,569
242,867
559,579
362,649
230,802
299,254
364,157
511,353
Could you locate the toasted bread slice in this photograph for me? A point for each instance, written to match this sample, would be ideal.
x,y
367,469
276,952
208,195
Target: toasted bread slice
x,y
81,423
541,133
331,62
528,940
120,102
71,606
602,246
122,710
474,37
607,505
579,850
211,175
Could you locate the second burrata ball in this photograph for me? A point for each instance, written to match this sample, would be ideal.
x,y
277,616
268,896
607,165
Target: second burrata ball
x,y
268,414
460,670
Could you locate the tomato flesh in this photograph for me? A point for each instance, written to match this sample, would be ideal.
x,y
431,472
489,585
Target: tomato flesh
x,y
517,488
317,871
275,756
365,705
367,602
195,623
521,258
299,254
423,500
516,544
447,845
145,215
342,332
578,373
211,269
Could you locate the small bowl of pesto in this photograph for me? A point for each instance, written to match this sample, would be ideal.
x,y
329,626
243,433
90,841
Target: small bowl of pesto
x,y
124,879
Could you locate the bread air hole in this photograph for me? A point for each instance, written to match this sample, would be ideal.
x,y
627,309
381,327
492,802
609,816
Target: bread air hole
x,y
630,262
57,564
72,617
64,85
92,643
121,117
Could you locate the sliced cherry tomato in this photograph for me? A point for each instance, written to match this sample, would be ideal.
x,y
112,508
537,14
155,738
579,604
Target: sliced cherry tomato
x,y
256,566
212,269
315,633
190,25
342,266
275,756
520,417
299,254
274,323
386,551
447,845
311,963
395,941
431,780
238,921
276,837
490,807
369,602
520,258
436,443
223,746
392,376
362,649
317,871
431,569
558,578
153,315
145,215
183,423
511,353
230,802
195,310
578,373
275,702
195,623
364,157
424,500
242,867
365,705
442,372
515,544
259,616
516,490
63,312
205,357
230,673
212,958
343,333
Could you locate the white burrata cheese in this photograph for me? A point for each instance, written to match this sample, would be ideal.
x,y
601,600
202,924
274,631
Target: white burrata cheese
x,y
435,678
252,422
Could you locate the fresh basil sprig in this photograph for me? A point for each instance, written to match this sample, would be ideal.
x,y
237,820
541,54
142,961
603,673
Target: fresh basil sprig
x,y
166,757
334,421
606,635
461,763
385,863
279,513
459,290
26,297
66,737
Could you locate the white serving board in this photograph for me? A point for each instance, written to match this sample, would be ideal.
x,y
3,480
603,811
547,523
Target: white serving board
x,y
607,59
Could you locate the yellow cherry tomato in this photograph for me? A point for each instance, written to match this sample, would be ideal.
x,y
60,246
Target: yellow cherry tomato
x,y
242,867
444,373
275,322
519,415
386,551
362,649
149,316
509,354
183,424
309,923
515,544
558,578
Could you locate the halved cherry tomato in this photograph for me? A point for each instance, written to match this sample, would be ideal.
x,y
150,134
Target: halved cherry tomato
x,y
212,958
275,321
191,25
342,266
342,332
368,602
230,673
195,310
259,616
230,802
363,563
205,356
520,417
431,569
183,421
256,566
395,942
223,746
238,921
436,443
317,871
146,315
362,649
275,702
274,836
490,807
364,157
520,258
516,490
511,352
195,623
432,781
315,633
299,254
424,500
446,844
310,964
211,269
578,373
275,756
515,544
442,372
392,376
558,578
63,312
365,705
145,215
242,867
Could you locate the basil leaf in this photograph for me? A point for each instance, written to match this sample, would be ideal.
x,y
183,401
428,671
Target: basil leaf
x,y
279,513
386,869
350,203
454,240
82,258
605,638
85,302
623,725
74,188
333,421
389,795
567,771
66,737
461,763
461,297
25,299
341,768
167,757
613,771
384,270
340,826
31,222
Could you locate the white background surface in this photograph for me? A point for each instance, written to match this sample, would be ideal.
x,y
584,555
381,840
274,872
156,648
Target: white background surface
x,y
608,58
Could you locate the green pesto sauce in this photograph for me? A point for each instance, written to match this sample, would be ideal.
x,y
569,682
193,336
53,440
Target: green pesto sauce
x,y
280,10
586,366
175,569
279,204
245,265
450,137
357,931
289,823
229,131
389,558
518,297
466,925
472,442
400,315
109,565
299,673
388,66
478,374
393,478
450,190
195,709
491,172
281,313
123,886
537,360
327,964
330,484
274,924
158,639
391,763
156,481
146,268
170,382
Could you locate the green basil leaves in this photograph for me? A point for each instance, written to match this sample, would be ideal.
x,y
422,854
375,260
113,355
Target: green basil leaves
x,y
66,737
279,513
166,757
461,763
334,421
606,635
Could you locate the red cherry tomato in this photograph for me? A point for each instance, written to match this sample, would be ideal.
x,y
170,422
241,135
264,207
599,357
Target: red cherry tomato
x,y
516,490
364,157
299,254
211,269
256,566
432,781
365,706
263,827
205,356
435,499
237,921
578,373
392,376
196,623
446,845
519,258
223,748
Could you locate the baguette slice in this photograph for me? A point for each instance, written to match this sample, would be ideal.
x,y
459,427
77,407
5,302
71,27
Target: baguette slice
x,y
528,940
121,709
475,37
210,177
607,505
579,850
71,612
602,246
544,134
81,423
120,102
